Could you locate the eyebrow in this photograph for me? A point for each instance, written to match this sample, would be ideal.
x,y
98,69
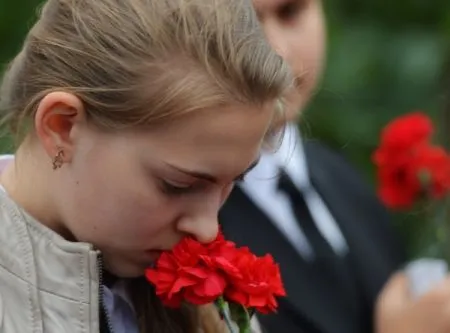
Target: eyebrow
x,y
209,177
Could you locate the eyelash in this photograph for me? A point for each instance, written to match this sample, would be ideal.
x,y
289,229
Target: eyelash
x,y
174,190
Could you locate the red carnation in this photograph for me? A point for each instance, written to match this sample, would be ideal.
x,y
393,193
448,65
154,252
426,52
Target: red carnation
x,y
183,274
432,164
398,186
217,272
260,282
408,165
407,130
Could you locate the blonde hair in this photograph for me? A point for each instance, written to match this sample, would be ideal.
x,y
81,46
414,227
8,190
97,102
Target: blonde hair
x,y
139,62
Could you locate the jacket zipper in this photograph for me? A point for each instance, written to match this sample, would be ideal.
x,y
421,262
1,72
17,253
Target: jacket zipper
x,y
109,327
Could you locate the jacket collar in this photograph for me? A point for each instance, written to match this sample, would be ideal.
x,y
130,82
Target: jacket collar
x,y
41,257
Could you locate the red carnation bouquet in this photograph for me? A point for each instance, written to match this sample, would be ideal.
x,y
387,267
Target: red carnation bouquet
x,y
414,173
232,277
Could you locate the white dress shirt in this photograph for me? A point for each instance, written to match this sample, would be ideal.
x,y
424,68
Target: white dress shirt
x,y
261,185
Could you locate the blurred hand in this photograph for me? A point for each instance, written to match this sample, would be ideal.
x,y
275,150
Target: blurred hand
x,y
398,312
210,320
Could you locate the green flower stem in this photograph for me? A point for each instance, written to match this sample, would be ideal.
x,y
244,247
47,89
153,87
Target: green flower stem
x,y
446,228
242,317
224,310
244,322
440,223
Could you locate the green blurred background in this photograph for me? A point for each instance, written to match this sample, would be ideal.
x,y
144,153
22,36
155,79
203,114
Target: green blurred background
x,y
385,58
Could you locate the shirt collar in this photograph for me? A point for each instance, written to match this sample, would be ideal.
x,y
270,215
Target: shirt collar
x,y
289,155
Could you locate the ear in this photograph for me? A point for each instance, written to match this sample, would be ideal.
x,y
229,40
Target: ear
x,y
56,115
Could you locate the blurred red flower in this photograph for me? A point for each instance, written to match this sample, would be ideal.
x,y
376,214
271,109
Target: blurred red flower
x,y
409,166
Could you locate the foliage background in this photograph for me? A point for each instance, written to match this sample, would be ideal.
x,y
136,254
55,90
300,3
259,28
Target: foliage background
x,y
385,58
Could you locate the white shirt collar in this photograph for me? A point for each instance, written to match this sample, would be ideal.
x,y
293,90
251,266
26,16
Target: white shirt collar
x,y
289,156
261,185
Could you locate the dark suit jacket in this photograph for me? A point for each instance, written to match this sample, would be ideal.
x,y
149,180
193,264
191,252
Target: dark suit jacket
x,y
314,303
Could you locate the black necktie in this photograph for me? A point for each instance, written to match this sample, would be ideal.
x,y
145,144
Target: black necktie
x,y
321,247
333,267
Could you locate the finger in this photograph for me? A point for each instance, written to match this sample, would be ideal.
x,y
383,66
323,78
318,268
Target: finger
x,y
396,294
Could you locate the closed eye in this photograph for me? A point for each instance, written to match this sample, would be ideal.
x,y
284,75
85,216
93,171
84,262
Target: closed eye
x,y
176,189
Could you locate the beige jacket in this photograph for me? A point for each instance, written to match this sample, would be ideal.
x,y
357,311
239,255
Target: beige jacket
x,y
47,284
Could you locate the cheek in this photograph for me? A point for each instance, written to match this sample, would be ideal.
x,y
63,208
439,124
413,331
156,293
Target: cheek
x,y
314,47
307,56
114,204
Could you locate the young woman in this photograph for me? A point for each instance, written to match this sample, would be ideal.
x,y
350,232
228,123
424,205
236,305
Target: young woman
x,y
134,120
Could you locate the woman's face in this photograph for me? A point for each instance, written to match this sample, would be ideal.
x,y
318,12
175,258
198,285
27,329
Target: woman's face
x,y
295,28
135,194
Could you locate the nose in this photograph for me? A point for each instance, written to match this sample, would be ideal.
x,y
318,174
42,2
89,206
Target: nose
x,y
201,218
204,230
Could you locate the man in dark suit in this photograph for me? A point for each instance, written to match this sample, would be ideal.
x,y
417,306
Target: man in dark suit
x,y
329,234
313,212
